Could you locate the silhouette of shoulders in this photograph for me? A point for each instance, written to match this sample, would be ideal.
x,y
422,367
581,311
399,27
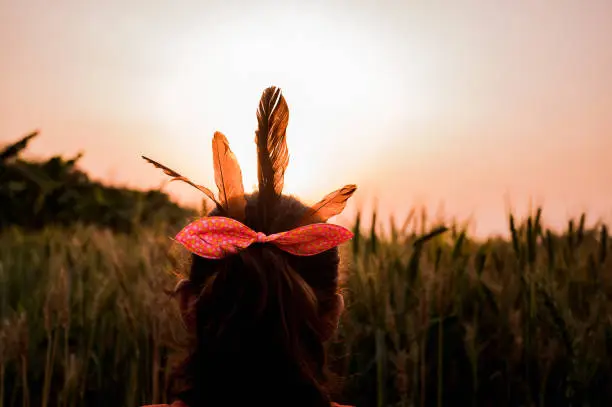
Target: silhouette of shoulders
x,y
181,404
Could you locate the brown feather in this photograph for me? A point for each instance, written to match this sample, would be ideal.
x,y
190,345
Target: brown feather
x,y
332,205
178,177
228,177
272,151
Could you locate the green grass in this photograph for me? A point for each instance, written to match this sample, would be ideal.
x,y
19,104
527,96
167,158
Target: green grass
x,y
84,318
434,318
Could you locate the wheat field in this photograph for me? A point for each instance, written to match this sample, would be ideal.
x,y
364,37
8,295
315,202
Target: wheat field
x,y
433,318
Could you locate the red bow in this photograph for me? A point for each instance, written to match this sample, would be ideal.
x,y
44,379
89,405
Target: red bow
x,y
215,237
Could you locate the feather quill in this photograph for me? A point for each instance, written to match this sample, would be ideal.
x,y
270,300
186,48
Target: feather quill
x,y
178,177
228,177
272,152
331,205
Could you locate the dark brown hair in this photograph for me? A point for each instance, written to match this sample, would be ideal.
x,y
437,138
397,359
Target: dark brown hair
x,y
259,332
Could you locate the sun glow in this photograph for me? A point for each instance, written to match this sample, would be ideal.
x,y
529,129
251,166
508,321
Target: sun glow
x,y
327,93
415,102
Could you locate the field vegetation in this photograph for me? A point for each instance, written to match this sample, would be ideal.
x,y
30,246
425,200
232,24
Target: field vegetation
x,y
434,317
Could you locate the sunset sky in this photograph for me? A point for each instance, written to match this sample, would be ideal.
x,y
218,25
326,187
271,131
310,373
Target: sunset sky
x,y
472,104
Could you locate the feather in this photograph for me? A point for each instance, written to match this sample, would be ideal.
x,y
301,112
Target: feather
x,y
178,177
228,177
272,152
332,205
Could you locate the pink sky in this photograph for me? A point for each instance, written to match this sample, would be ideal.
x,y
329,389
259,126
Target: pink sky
x,y
470,103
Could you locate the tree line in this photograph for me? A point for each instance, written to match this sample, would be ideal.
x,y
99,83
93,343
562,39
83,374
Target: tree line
x,y
36,193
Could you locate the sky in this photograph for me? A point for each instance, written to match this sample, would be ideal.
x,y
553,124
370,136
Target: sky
x,y
468,108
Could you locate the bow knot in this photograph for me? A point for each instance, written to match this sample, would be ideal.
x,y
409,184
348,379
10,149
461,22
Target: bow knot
x,y
215,237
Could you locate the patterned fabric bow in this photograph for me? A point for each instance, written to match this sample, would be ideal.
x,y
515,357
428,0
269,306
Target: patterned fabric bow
x,y
216,237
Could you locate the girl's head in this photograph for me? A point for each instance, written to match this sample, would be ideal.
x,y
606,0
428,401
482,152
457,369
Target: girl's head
x,y
261,311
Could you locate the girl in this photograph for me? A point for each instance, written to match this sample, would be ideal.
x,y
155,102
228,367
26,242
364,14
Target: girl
x,y
262,295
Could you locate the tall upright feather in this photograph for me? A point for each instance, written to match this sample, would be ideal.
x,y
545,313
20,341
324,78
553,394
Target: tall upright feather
x,y
272,152
178,177
331,205
228,177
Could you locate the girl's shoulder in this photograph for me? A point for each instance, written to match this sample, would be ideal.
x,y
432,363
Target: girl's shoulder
x,y
181,404
175,404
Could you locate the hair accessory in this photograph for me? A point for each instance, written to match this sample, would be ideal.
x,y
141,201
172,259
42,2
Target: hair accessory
x,y
216,237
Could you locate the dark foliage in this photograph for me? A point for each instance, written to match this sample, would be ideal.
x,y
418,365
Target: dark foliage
x,y
55,192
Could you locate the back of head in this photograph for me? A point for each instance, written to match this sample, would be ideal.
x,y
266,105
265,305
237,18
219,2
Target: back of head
x,y
261,322
261,298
